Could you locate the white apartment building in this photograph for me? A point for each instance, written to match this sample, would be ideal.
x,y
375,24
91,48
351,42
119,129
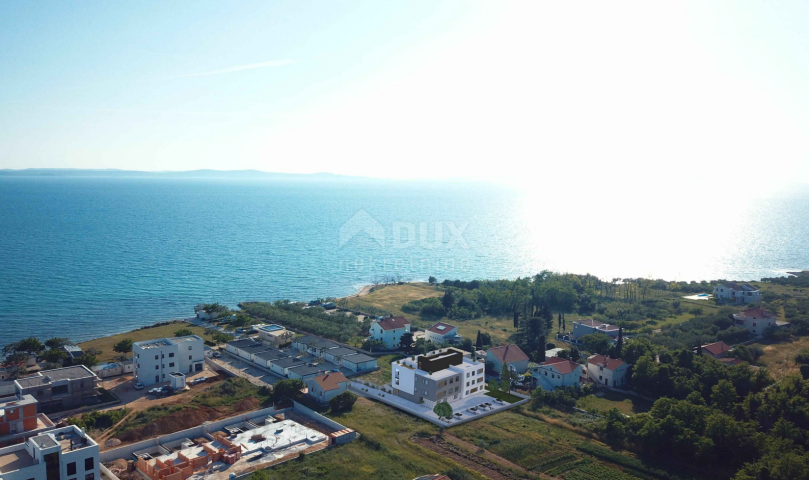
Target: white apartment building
x,y
62,454
156,360
445,374
557,372
737,293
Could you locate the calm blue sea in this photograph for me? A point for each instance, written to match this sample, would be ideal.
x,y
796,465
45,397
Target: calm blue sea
x,y
88,257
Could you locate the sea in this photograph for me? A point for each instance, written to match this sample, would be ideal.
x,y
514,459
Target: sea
x,y
84,257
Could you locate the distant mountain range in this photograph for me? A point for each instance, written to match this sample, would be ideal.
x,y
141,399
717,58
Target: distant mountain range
x,y
75,172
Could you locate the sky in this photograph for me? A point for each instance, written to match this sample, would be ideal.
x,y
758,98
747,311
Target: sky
x,y
561,93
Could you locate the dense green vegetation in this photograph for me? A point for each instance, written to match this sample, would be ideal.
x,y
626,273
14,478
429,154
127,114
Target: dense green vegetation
x,y
315,320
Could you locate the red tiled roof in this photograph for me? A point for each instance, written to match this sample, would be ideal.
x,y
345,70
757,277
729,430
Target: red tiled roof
x,y
716,348
447,328
605,361
755,313
590,322
330,381
509,353
564,366
392,323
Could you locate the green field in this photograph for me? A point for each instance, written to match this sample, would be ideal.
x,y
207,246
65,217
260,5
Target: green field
x,y
383,375
626,404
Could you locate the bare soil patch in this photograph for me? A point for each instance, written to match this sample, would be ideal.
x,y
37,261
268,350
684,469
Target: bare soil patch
x,y
480,464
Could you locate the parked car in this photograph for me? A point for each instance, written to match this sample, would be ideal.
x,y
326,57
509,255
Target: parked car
x,y
217,355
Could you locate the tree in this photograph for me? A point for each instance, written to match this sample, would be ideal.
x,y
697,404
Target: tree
x,y
432,280
563,354
505,379
343,402
406,341
125,346
560,322
183,332
723,396
596,343
575,355
287,388
54,356
88,360
493,386
457,473
619,345
30,345
540,355
479,342
443,409
448,300
57,343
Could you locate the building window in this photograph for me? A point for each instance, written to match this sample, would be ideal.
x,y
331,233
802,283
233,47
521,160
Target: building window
x,y
189,357
71,468
156,357
171,354
90,476
171,364
89,464
157,367
425,392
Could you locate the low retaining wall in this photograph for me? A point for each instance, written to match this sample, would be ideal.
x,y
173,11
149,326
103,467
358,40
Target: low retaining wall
x,y
204,430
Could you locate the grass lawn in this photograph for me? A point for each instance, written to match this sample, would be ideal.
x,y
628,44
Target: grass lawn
x,y
384,452
392,297
506,397
383,375
626,404
105,344
521,437
779,358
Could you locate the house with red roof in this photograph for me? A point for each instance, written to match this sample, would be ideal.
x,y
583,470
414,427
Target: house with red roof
x,y
389,330
325,387
603,370
756,320
442,333
716,349
557,372
510,355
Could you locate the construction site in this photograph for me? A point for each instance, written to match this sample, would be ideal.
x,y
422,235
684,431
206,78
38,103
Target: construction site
x,y
230,447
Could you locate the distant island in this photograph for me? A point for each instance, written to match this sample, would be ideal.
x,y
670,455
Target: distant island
x,y
115,173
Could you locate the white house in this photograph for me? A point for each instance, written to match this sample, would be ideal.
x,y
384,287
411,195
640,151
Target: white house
x,y
737,293
442,333
66,453
156,359
604,370
325,387
389,330
511,355
557,372
282,365
755,320
589,326
274,335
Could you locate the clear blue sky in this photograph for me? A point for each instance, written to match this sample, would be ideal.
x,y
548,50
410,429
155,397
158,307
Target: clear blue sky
x,y
495,90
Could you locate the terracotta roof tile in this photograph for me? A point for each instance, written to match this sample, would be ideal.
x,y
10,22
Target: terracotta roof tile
x,y
605,361
509,353
330,381
447,328
564,366
392,323
716,348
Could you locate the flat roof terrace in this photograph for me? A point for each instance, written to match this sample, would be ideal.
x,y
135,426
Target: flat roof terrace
x,y
15,459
